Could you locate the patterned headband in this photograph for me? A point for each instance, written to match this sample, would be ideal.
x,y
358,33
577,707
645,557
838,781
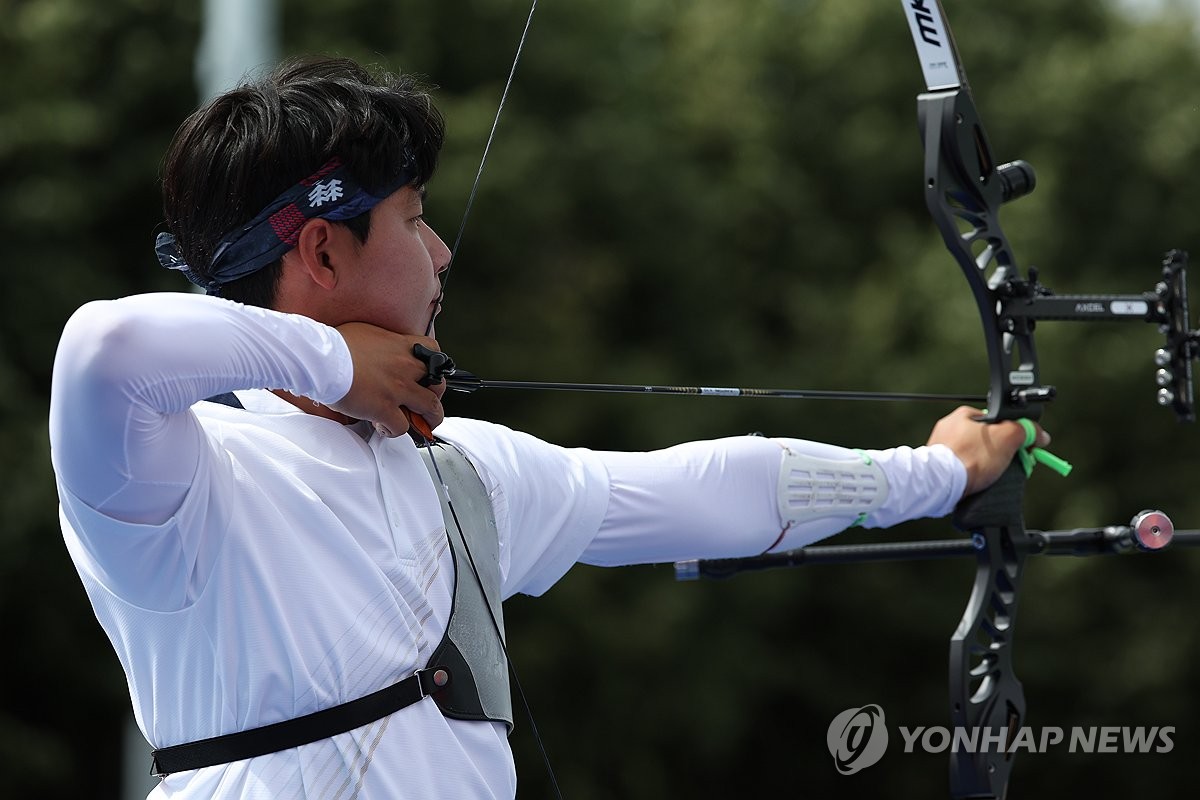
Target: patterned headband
x,y
330,193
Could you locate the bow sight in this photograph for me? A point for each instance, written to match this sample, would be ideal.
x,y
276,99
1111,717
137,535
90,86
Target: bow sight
x,y
1024,301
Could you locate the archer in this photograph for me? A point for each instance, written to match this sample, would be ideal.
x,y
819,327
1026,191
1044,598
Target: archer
x,y
297,604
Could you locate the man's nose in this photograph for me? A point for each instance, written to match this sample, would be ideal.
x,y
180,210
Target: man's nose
x,y
438,251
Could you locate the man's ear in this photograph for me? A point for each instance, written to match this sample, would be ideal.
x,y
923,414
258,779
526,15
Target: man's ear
x,y
318,254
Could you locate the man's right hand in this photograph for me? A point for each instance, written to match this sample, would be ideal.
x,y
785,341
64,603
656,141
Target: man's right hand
x,y
387,379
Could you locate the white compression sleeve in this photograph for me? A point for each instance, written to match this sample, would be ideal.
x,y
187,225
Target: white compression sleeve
x,y
127,371
720,499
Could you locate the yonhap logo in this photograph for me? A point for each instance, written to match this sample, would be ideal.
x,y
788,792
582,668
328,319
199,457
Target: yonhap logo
x,y
857,738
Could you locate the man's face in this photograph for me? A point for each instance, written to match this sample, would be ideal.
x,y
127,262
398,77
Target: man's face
x,y
392,280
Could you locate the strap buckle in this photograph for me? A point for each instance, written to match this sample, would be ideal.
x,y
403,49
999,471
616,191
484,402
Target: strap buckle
x,y
432,679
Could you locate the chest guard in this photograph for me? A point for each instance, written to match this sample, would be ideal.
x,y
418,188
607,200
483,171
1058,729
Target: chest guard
x,y
472,650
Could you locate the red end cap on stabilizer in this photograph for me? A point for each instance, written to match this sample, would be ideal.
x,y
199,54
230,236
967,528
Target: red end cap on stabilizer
x,y
1152,530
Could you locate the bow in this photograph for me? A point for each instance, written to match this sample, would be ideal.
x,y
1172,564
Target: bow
x,y
964,189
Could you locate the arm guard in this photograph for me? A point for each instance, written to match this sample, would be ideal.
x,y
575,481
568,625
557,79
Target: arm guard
x,y
811,488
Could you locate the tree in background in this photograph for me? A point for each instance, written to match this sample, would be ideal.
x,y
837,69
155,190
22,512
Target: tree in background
x,y
90,97
711,192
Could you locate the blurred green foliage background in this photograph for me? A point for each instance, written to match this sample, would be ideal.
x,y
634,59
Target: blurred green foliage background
x,y
718,192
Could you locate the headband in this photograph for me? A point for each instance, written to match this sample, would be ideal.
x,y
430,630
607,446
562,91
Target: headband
x,y
330,193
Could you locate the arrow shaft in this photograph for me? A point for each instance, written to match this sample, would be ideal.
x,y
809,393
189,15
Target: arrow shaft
x,y
471,385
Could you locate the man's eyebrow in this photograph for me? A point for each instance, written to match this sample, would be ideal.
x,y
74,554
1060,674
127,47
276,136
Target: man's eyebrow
x,y
422,193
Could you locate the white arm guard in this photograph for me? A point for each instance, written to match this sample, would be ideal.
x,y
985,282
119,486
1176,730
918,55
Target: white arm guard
x,y
812,488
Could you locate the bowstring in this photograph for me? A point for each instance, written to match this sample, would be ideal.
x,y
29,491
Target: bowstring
x,y
487,148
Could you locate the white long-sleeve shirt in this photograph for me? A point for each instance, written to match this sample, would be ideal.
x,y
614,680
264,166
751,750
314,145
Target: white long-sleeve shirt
x,y
253,565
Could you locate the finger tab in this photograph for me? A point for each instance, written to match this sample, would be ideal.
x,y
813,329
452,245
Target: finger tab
x,y
1030,431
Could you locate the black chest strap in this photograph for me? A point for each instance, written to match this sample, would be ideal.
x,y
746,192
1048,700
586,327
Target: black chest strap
x,y
301,730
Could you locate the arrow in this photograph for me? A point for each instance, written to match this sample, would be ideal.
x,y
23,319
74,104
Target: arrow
x,y
461,381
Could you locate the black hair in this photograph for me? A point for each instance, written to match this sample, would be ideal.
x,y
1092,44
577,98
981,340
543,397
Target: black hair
x,y
231,157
